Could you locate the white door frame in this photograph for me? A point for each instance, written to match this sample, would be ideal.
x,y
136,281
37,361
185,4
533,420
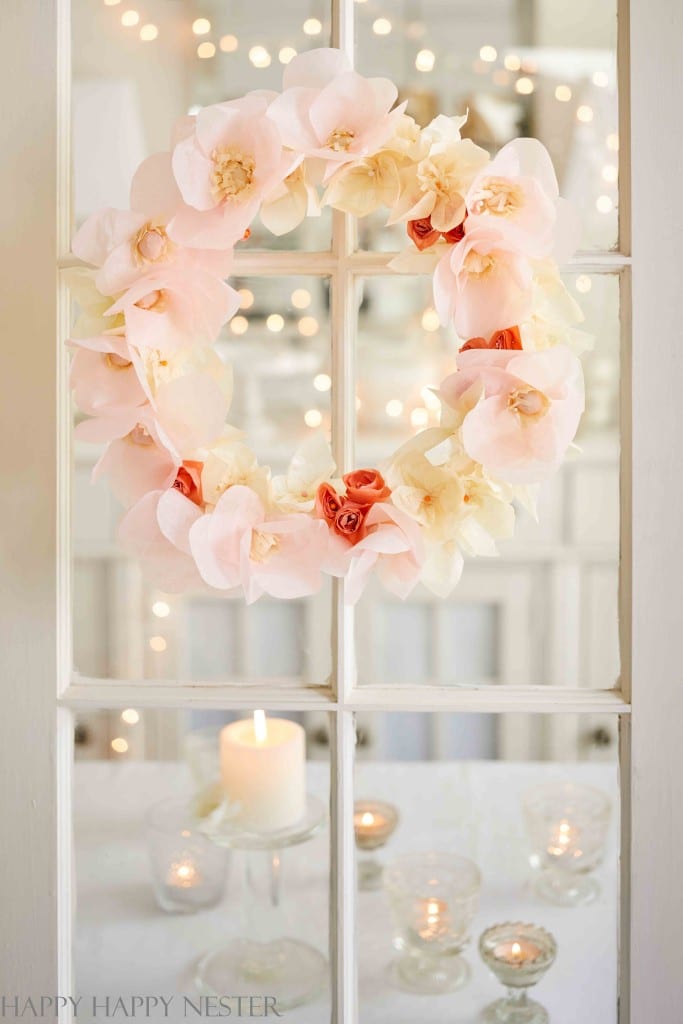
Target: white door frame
x,y
34,731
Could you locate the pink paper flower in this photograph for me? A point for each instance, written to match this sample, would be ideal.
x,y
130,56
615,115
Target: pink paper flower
x,y
224,167
175,307
483,283
528,411
236,544
103,376
330,112
518,193
393,545
156,532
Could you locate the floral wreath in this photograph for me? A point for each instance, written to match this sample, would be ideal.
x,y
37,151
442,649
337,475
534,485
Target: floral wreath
x,y
201,511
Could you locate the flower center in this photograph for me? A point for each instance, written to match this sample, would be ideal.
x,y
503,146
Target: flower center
x,y
477,264
233,173
263,546
115,362
529,402
140,435
340,139
498,196
151,244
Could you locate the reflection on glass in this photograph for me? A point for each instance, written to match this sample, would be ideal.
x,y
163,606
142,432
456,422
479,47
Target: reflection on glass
x,y
545,610
545,69
136,72
463,797
279,348
125,944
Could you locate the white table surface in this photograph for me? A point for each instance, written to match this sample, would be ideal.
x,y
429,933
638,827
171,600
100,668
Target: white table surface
x,y
125,945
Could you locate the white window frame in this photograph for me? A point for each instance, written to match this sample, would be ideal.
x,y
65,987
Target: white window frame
x,y
38,690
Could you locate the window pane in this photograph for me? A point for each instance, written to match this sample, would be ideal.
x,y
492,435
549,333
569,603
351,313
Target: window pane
x,y
545,611
521,801
545,70
130,86
124,626
155,895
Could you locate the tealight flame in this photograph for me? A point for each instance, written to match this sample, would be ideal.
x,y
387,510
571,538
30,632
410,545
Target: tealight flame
x,y
260,727
516,949
432,911
367,818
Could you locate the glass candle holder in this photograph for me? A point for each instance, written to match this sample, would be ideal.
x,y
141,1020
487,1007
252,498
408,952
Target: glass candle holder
x,y
434,897
188,870
567,826
519,955
374,823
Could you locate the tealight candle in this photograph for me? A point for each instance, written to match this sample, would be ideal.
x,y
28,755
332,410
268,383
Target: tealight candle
x,y
373,824
517,952
432,919
263,769
183,875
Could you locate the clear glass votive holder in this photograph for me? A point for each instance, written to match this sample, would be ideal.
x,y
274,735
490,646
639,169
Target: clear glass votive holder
x,y
374,823
519,955
188,870
434,897
567,825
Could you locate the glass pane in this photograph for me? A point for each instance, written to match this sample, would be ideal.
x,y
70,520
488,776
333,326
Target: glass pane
x,y
171,901
279,348
136,72
545,611
466,821
545,69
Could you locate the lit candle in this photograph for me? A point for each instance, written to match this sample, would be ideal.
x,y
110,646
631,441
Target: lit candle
x,y
183,875
563,840
517,953
373,823
263,768
433,919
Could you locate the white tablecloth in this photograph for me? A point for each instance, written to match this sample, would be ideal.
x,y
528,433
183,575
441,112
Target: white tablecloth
x,y
125,945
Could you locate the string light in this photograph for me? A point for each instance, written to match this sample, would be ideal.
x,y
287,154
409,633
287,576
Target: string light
x,y
604,204
301,299
419,418
381,26
584,113
157,643
601,79
394,407
130,716
275,323
246,298
583,284
524,86
111,3
119,745
148,33
259,57
613,142
563,93
512,62
313,417
206,50
312,26
322,382
239,325
308,326
425,60
610,173
286,54
161,609
488,54
130,18
229,43
201,26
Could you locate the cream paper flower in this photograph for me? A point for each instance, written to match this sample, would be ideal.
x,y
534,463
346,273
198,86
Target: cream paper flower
x,y
231,463
311,466
555,315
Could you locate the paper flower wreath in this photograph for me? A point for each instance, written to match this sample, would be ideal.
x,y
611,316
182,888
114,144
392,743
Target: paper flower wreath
x,y
201,511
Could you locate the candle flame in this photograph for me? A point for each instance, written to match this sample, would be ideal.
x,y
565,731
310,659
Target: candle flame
x,y
367,818
516,949
433,908
260,727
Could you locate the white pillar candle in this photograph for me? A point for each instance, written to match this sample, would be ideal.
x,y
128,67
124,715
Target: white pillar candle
x,y
263,766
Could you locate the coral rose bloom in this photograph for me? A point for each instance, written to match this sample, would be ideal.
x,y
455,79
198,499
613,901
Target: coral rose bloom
x,y
366,486
528,412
